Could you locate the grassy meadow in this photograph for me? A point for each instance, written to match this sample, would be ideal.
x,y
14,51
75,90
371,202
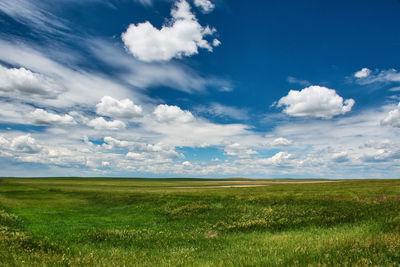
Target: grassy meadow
x,y
193,222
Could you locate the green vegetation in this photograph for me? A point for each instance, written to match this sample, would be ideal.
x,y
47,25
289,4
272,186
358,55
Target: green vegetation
x,y
184,222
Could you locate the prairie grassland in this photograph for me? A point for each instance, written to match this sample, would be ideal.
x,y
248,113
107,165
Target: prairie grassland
x,y
183,222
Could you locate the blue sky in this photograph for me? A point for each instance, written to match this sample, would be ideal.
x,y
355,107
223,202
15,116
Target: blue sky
x,y
201,88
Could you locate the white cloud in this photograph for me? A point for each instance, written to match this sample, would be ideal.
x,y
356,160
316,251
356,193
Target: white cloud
x,y
112,143
134,156
182,36
239,150
205,5
315,101
142,151
187,165
26,144
383,76
105,164
278,142
122,109
143,158
3,141
42,117
199,133
22,82
216,42
101,124
166,113
280,158
363,73
391,75
151,161
393,118
4,145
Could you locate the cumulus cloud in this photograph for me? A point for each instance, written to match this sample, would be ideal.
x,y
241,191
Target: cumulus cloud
x,y
238,150
281,142
112,143
181,36
23,82
363,73
122,109
101,124
42,117
105,164
205,5
393,118
140,150
187,164
26,144
166,113
280,158
315,101
154,158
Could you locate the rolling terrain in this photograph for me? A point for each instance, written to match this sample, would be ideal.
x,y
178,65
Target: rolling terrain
x,y
196,222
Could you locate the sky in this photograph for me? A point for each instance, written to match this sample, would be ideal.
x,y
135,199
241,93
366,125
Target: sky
x,y
200,88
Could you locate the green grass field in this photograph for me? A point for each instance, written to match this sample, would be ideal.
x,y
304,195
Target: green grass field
x,y
183,222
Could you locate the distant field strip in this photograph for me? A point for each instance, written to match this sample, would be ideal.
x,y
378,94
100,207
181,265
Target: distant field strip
x,y
266,182
219,186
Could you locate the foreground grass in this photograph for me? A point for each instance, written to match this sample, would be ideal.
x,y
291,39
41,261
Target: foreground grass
x,y
106,222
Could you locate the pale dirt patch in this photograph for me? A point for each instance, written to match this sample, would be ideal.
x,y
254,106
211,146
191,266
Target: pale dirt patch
x,y
211,234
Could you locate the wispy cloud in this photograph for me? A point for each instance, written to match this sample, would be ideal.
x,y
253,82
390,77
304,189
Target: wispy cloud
x,y
223,111
294,80
33,14
366,76
142,75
